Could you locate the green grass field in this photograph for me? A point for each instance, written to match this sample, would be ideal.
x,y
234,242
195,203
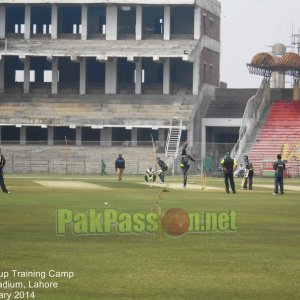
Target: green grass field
x,y
260,260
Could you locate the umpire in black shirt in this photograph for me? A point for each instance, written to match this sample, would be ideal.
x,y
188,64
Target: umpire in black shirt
x,y
229,165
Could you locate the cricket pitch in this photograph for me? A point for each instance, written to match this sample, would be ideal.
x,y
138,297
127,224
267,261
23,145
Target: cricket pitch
x,y
66,184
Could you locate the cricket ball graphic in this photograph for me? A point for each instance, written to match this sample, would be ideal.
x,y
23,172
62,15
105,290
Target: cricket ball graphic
x,y
176,221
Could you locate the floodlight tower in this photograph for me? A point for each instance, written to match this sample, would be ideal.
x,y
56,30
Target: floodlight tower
x,y
296,41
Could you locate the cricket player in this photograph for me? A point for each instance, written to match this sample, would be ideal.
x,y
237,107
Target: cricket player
x,y
184,165
2,164
150,175
279,168
248,174
163,169
120,166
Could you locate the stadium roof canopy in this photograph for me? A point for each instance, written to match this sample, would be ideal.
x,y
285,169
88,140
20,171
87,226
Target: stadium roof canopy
x,y
264,64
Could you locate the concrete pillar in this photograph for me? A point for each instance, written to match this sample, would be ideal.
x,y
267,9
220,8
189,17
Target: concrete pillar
x,y
82,83
111,22
161,137
23,135
84,16
196,76
78,136
166,77
197,23
278,80
296,95
1,74
267,91
27,22
139,23
26,75
203,141
106,137
111,76
50,136
54,16
138,76
167,22
2,22
134,137
54,83
190,135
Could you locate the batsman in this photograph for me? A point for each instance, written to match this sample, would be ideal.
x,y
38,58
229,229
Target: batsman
x,y
248,174
163,169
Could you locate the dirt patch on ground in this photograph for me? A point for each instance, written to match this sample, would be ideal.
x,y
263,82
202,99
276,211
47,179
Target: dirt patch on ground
x,y
68,184
179,186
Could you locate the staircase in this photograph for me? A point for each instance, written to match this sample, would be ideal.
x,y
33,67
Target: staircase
x,y
173,145
279,135
173,140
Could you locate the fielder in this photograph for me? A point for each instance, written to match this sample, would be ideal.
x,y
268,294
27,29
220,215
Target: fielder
x,y
120,166
279,168
2,164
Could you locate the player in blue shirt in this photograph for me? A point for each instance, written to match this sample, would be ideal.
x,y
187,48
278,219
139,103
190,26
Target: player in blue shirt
x,y
120,166
279,168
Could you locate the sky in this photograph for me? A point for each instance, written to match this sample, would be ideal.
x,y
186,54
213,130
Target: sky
x,y
252,26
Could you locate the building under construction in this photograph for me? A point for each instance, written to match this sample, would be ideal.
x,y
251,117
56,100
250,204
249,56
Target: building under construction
x,y
107,72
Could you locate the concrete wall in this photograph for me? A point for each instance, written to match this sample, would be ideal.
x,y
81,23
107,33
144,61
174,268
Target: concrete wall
x,y
210,67
76,159
210,25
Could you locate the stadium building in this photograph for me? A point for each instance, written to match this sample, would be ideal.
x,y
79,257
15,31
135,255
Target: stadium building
x,y
260,123
105,73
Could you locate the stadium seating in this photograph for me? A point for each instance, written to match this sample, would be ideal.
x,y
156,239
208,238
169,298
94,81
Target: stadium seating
x,y
279,135
110,112
229,103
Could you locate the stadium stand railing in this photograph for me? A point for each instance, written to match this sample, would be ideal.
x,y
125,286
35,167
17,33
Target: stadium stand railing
x,y
255,108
